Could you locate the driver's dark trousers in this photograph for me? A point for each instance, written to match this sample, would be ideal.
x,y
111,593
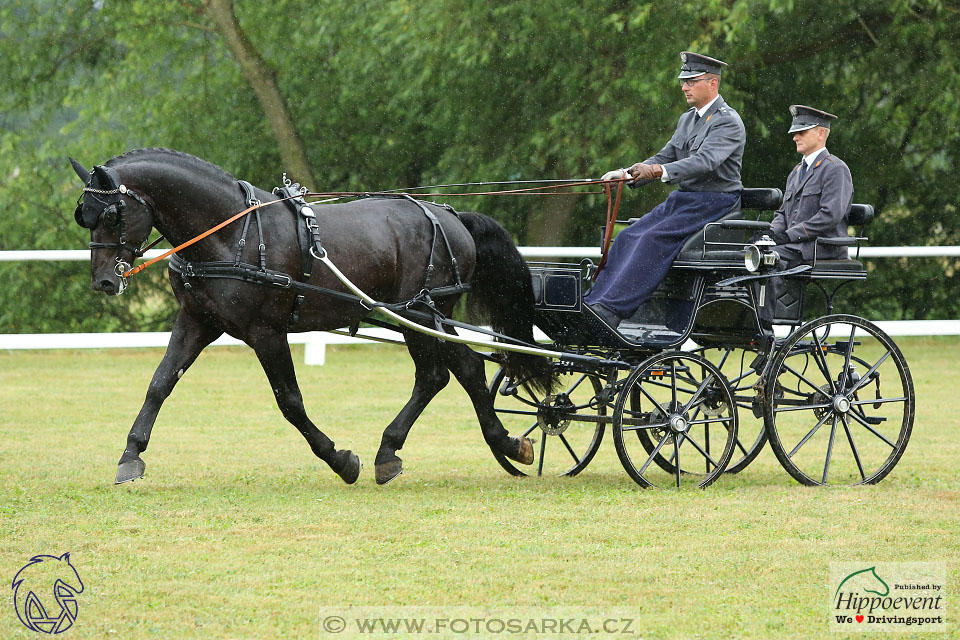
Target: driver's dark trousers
x,y
642,253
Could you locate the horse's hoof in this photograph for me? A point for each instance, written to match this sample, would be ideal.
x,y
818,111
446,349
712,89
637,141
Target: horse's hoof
x,y
130,470
525,451
350,470
387,471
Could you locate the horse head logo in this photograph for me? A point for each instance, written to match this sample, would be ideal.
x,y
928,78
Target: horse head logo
x,y
866,580
45,593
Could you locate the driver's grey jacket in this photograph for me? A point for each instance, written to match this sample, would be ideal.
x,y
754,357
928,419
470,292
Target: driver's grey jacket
x,y
705,155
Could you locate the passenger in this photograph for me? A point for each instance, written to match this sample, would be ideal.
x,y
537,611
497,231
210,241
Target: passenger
x,y
816,202
703,157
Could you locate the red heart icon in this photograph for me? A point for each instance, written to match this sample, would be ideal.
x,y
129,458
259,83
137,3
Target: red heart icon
x,y
859,618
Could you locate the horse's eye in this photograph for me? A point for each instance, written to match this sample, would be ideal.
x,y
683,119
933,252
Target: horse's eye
x,y
111,217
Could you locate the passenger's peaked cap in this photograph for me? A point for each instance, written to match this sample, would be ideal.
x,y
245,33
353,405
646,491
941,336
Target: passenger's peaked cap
x,y
695,65
807,118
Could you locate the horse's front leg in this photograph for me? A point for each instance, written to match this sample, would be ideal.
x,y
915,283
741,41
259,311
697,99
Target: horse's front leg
x,y
431,377
188,338
467,366
273,351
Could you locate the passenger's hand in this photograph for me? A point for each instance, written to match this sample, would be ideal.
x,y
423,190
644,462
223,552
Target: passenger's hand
x,y
780,237
641,171
616,174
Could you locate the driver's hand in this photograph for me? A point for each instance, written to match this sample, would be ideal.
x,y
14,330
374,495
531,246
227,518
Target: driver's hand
x,y
641,171
616,174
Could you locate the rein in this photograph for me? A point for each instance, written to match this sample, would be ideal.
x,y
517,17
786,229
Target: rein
x,y
203,235
612,207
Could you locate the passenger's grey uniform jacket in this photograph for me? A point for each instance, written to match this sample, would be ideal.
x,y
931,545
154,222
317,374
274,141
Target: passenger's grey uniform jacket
x,y
816,208
705,155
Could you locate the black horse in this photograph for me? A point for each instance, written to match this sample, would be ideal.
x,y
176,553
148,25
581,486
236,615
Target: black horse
x,y
383,245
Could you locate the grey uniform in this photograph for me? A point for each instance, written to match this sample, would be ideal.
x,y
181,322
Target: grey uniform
x,y
705,155
816,207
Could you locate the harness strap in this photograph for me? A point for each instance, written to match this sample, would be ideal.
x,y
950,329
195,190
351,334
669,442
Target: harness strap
x,y
433,243
252,273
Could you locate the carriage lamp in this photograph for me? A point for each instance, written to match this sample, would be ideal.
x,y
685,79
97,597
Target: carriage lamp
x,y
760,254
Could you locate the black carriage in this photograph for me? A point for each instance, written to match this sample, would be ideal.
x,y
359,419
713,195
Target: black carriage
x,y
692,386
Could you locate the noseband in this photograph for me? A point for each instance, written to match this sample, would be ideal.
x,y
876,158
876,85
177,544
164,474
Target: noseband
x,y
112,215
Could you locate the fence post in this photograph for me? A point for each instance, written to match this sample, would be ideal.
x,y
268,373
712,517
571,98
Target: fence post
x,y
315,348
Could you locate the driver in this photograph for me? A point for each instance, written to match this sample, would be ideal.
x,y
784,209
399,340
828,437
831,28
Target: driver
x,y
703,157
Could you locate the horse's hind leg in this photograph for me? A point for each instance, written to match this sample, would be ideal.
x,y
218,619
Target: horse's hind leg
x,y
188,338
467,366
274,355
431,377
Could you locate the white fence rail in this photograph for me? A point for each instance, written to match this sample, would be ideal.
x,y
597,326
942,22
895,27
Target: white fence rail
x,y
315,341
83,255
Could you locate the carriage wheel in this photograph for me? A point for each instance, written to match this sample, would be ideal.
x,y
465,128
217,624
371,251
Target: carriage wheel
x,y
843,406
566,424
684,406
751,434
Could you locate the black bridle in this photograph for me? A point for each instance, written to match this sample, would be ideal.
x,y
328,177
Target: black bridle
x,y
112,216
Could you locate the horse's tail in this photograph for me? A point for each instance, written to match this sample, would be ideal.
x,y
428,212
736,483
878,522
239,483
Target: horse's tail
x,y
502,292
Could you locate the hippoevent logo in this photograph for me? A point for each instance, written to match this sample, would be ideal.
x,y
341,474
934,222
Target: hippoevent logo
x,y
892,596
45,593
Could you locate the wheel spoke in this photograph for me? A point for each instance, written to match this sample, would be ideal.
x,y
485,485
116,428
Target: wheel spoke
x,y
803,407
650,398
654,453
705,454
866,425
676,457
846,359
826,463
800,376
517,412
569,448
809,435
853,447
696,396
576,384
866,377
857,403
638,427
739,445
530,430
673,382
543,448
821,360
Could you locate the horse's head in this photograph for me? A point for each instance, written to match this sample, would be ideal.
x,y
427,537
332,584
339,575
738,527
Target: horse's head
x,y
119,221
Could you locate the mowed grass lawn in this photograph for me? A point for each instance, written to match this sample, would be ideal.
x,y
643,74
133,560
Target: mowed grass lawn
x,y
237,531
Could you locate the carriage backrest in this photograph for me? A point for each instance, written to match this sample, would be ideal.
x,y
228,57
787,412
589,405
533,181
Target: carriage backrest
x,y
765,199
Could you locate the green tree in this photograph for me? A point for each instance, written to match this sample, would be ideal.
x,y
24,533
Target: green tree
x,y
371,95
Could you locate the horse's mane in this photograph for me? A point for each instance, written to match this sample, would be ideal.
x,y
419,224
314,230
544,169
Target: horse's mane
x,y
180,156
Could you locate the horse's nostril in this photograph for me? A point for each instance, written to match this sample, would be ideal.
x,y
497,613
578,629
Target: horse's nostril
x,y
104,285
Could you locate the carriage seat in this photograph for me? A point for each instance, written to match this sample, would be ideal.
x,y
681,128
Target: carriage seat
x,y
860,216
708,245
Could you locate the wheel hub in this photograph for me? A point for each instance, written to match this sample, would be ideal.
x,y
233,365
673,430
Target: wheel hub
x,y
678,424
552,415
841,404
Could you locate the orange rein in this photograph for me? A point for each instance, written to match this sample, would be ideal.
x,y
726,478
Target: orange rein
x,y
141,267
612,209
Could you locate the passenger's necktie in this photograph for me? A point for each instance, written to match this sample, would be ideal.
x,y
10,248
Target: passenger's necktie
x,y
696,118
803,169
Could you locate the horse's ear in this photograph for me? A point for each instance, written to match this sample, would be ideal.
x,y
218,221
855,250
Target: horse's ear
x,y
83,173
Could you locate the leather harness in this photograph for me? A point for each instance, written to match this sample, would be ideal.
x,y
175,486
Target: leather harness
x,y
311,248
